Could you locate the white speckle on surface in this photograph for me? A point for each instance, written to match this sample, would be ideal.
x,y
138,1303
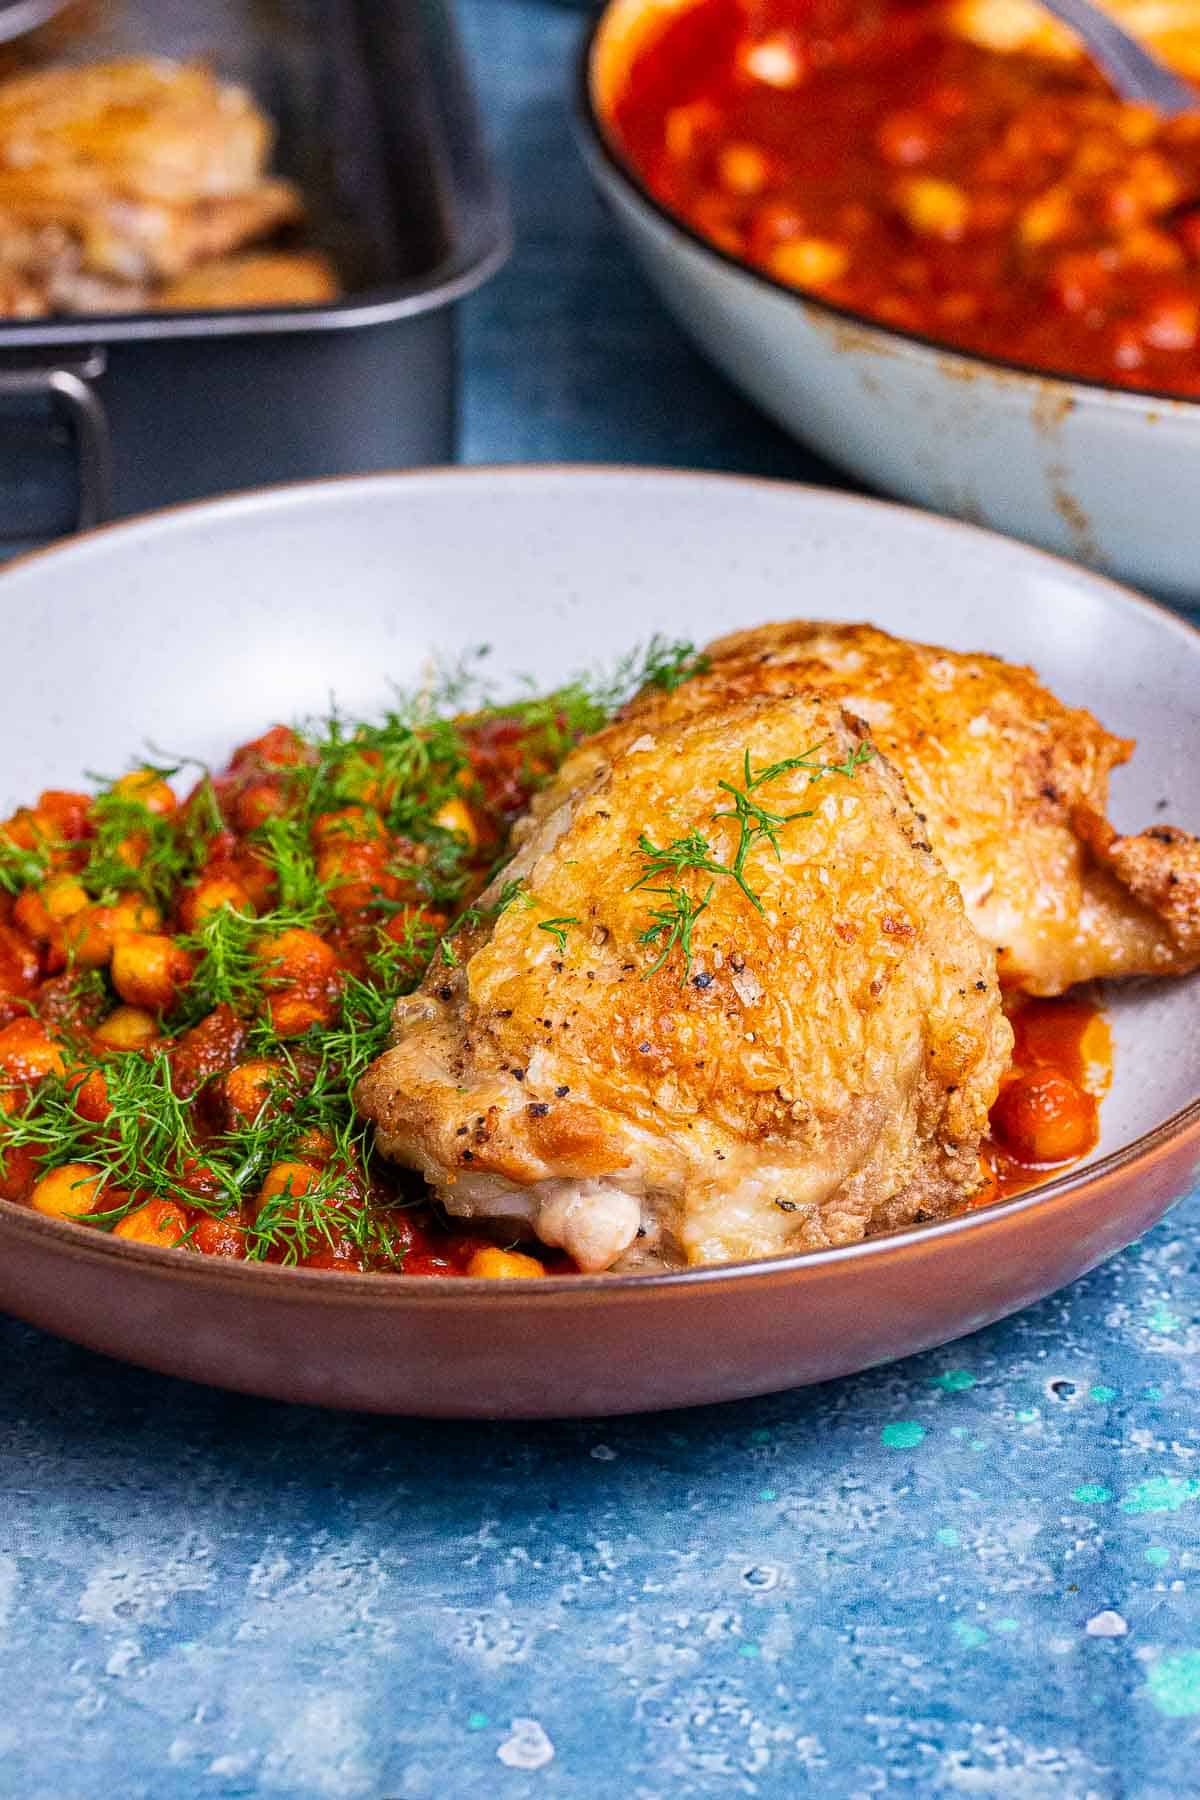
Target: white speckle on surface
x,y
123,1657
134,1590
1107,1624
9,1579
603,1453
321,1750
526,1747
231,1765
747,987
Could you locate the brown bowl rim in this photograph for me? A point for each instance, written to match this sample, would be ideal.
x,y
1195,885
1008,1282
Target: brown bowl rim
x,y
599,139
283,1280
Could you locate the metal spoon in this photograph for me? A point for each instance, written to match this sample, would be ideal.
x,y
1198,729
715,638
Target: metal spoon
x,y
1133,70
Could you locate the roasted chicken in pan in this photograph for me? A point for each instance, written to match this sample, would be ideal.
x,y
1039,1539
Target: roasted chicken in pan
x,y
1010,785
117,177
724,1002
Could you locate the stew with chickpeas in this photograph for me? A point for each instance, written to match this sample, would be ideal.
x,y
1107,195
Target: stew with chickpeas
x,y
867,153
190,987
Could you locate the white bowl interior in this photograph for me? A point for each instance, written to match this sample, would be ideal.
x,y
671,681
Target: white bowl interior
x,y
196,629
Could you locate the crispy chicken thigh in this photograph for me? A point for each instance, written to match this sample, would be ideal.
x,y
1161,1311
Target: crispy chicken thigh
x,y
118,174
735,1007
1010,785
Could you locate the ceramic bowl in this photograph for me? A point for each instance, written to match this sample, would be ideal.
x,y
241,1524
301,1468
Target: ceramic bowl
x,y
190,631
1097,473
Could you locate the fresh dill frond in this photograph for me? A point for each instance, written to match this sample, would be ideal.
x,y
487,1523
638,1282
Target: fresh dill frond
x,y
558,928
286,848
668,663
133,849
673,924
20,869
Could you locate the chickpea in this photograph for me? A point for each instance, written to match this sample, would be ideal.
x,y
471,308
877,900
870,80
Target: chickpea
x,y
296,1010
296,955
348,825
503,1265
315,1146
1080,280
38,909
68,1192
1171,321
18,1171
1043,1117
220,1237
288,1178
28,1053
88,936
686,126
455,816
409,920
149,789
1047,218
278,748
743,169
934,208
149,969
1137,123
67,812
91,1095
775,60
20,964
809,262
906,139
353,872
127,1028
210,894
158,1222
261,801
249,1086
1148,247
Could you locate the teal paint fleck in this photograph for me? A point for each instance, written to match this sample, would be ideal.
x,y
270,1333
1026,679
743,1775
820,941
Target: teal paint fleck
x,y
948,1536
761,1436
958,1431
1153,1393
1157,1555
1092,1493
477,1721
1163,1320
969,1636
1104,1393
902,1434
1007,1625
978,1444
1174,1684
954,1381
748,1650
1028,1417
768,1494
1161,1493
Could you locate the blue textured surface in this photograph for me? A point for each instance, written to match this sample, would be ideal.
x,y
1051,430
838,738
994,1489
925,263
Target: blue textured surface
x,y
971,1574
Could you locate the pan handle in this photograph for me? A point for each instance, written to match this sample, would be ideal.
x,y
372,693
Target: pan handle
x,y
70,386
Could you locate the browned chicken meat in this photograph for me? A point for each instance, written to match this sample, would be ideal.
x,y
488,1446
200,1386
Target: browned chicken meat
x,y
724,1002
117,176
1010,785
143,127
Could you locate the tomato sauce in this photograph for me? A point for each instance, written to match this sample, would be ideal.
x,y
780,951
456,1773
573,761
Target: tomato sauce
x,y
867,153
1047,1114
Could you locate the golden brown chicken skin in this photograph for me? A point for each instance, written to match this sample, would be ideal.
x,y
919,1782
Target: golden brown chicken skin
x,y
1011,787
641,1055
